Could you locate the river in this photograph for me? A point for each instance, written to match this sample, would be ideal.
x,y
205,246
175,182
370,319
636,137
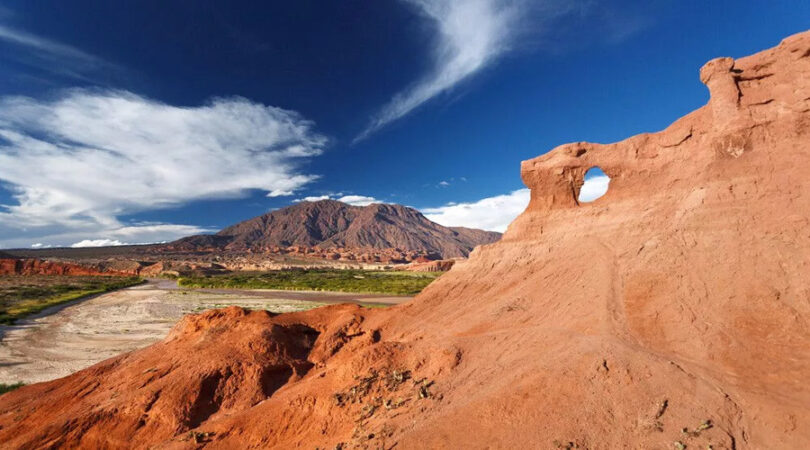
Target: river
x,y
67,338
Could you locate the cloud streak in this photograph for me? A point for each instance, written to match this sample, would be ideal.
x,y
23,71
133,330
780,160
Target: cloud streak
x,y
52,56
471,34
87,157
43,45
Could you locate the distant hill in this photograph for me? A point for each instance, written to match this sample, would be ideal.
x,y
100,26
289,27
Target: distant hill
x,y
333,224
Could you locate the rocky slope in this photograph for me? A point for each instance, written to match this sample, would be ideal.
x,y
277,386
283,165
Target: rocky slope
x,y
671,313
329,224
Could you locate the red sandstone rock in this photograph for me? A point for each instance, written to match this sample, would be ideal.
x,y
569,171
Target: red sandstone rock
x,y
151,270
40,267
431,266
672,310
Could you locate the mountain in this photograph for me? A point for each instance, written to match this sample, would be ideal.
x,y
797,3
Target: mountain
x,y
672,312
333,224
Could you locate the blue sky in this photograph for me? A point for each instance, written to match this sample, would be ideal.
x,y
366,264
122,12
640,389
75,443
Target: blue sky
x,y
146,121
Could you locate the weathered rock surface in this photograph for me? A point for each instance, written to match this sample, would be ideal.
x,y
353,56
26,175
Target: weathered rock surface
x,y
20,266
442,265
671,312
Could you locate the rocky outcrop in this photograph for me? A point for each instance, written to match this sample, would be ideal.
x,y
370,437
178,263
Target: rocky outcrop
x,y
17,266
671,312
442,265
33,266
393,233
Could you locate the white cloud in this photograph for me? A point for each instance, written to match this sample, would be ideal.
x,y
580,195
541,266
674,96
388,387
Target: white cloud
x,y
57,236
358,200
444,183
78,162
354,200
471,34
313,198
594,188
97,243
496,213
492,213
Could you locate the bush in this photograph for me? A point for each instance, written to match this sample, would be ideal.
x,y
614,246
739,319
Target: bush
x,y
9,387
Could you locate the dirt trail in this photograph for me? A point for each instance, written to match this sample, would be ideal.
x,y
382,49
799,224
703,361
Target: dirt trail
x,y
68,338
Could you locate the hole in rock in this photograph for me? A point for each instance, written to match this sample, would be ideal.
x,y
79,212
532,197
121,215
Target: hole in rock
x,y
595,186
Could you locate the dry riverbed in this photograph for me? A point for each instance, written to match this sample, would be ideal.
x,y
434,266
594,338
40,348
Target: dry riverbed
x,y
68,338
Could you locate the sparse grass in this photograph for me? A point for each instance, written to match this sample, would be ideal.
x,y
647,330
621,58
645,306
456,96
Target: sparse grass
x,y
9,387
357,281
274,306
374,305
21,296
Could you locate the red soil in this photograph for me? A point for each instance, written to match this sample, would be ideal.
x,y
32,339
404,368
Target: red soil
x,y
673,310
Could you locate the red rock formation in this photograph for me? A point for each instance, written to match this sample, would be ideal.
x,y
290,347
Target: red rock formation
x,y
670,312
40,267
151,270
33,266
442,265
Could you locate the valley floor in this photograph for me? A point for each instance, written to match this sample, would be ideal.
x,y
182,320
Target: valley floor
x,y
68,338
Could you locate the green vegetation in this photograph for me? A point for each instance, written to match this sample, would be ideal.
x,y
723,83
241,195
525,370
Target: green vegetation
x,y
9,387
374,305
24,295
357,281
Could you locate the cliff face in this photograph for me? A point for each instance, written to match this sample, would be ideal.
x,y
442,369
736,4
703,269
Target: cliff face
x,y
672,311
18,266
10,265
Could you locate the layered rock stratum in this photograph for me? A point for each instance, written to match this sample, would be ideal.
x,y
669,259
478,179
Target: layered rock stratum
x,y
672,312
10,265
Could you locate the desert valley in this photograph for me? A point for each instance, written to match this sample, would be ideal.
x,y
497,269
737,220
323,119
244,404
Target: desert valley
x,y
671,312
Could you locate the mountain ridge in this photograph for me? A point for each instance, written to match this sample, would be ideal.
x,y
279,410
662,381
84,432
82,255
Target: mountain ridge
x,y
330,224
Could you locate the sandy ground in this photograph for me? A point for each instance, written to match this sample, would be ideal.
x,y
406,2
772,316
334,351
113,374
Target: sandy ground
x,y
68,338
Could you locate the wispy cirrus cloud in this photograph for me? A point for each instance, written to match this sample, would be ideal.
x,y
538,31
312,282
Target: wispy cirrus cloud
x,y
44,45
52,56
470,35
77,162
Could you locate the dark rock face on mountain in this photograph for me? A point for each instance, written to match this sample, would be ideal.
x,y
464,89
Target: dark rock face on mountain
x,y
332,224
